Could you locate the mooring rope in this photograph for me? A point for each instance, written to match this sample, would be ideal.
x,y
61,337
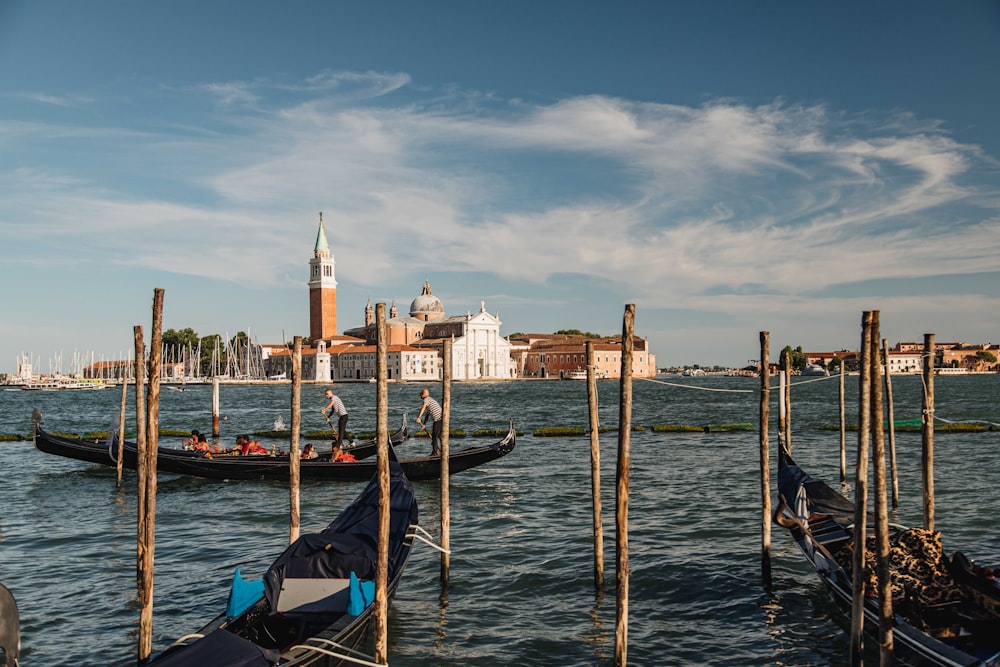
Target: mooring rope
x,y
688,386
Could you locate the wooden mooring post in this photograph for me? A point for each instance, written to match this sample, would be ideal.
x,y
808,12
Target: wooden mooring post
x,y
152,437
445,472
294,469
861,494
881,499
765,460
843,424
622,490
381,603
891,420
595,468
140,448
121,430
215,407
927,432
781,405
786,397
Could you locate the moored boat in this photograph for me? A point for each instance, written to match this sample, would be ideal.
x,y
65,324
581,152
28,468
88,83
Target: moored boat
x,y
203,464
315,601
946,609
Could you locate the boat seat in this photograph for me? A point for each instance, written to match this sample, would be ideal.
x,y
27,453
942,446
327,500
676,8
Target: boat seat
x,y
826,531
313,595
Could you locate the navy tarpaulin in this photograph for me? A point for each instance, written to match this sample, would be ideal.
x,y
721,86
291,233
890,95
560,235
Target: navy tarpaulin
x,y
220,647
349,543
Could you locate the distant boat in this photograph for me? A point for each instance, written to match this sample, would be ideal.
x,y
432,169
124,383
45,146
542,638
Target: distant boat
x,y
576,375
815,370
692,372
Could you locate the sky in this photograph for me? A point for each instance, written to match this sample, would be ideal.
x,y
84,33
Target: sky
x,y
728,167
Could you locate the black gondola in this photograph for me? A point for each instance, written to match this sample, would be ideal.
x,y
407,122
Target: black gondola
x,y
946,610
316,598
200,464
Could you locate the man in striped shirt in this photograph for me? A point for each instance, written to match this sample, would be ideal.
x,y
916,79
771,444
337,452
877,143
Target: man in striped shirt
x,y
433,409
336,407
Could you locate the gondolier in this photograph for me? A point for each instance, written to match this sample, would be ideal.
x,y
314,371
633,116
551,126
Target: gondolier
x,y
433,409
336,407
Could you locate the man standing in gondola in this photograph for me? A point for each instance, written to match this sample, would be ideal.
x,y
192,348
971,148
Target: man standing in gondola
x,y
433,409
336,407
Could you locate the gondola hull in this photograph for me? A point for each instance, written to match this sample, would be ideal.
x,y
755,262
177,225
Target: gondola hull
x,y
198,464
270,631
960,634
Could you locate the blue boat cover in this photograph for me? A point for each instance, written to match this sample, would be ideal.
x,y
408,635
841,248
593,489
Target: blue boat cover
x,y
362,594
220,647
349,543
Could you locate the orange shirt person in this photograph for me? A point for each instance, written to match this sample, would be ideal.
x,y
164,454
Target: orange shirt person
x,y
340,456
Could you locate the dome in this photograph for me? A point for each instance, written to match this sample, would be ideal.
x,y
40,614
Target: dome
x,y
426,304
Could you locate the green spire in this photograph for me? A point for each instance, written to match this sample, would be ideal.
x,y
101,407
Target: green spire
x,y
321,243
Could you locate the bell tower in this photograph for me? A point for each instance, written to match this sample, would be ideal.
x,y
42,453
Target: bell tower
x,y
322,289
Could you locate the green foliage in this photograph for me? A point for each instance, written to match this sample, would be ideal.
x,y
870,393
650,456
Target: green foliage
x,y
493,433
722,428
556,431
184,338
797,358
677,428
452,433
987,356
614,429
10,437
577,332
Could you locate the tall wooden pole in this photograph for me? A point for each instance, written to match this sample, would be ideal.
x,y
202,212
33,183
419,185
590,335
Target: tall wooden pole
x,y
781,404
843,424
121,430
140,447
891,417
293,454
382,435
445,472
215,406
152,437
881,500
861,494
927,431
765,459
622,491
595,468
787,398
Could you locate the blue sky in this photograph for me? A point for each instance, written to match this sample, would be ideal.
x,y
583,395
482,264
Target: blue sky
x,y
729,167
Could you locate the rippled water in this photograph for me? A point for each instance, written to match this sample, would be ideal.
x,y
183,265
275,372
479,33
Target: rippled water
x,y
521,580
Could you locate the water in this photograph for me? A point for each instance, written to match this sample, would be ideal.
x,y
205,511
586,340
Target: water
x,y
521,580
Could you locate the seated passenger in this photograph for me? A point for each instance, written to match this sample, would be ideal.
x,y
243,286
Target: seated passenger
x,y
240,446
202,444
254,447
191,442
340,456
310,452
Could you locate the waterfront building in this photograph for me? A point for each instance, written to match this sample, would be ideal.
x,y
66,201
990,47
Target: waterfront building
x,y
478,351
562,355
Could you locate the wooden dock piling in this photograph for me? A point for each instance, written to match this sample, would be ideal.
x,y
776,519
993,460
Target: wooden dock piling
x,y
927,432
215,407
881,500
381,603
861,493
140,447
765,459
294,463
121,432
843,425
622,489
891,421
595,468
445,472
152,437
786,396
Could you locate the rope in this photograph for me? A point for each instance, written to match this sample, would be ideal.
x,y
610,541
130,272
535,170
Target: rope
x,y
688,386
339,656
428,540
